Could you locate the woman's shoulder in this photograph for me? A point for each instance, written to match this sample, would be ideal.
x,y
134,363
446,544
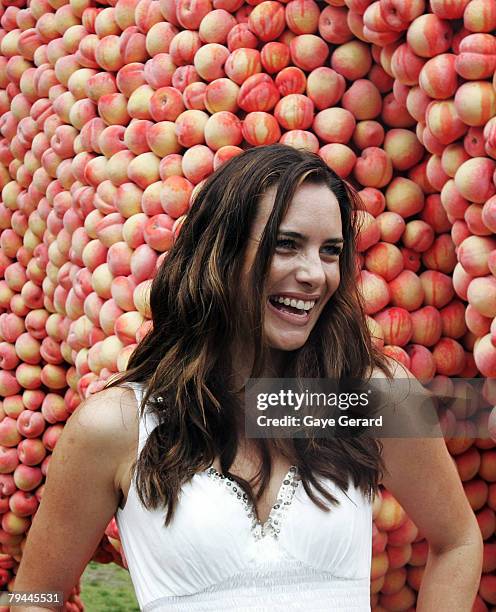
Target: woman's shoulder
x,y
111,415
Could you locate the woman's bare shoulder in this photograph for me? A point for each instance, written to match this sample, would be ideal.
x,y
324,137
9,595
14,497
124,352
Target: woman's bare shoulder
x,y
112,415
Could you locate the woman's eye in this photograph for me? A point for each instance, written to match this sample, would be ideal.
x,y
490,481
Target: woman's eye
x,y
284,243
334,250
289,244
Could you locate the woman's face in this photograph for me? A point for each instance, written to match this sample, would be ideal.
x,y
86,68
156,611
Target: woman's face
x,y
305,265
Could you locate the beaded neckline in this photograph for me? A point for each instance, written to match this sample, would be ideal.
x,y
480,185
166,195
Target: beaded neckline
x,y
272,525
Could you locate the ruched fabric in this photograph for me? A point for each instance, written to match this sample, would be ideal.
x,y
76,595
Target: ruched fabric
x,y
215,555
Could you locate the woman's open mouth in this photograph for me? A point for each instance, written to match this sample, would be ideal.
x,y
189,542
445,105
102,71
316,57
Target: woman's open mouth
x,y
291,310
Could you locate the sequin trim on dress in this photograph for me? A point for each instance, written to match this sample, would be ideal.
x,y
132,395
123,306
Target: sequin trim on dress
x,y
272,525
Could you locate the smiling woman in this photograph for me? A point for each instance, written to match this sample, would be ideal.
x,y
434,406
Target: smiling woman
x,y
261,282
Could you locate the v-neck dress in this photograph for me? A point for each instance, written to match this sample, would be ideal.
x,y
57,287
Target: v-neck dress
x,y
215,555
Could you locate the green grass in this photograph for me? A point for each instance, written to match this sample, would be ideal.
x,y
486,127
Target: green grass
x,y
106,587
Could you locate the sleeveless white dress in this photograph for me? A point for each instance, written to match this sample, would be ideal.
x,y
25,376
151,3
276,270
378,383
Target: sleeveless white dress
x,y
215,555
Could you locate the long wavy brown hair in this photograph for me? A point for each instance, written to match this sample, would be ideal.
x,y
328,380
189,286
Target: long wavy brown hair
x,y
183,361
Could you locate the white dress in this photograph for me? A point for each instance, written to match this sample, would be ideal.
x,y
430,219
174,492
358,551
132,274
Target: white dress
x,y
215,555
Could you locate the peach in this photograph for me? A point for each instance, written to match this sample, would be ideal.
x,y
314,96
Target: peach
x,y
112,108
184,46
479,16
170,165
475,102
146,14
158,70
143,169
453,319
117,167
352,60
215,26
274,57
441,255
375,291
373,168
333,25
473,179
375,29
448,9
294,111
190,127
258,93
449,357
403,148
428,35
267,20
453,202
308,51
334,125
368,134
260,128
221,95
477,323
435,173
338,157
197,163
384,259
395,114
452,158
130,77
240,36
475,223
404,197
438,288
363,100
418,235
325,87
488,214
242,63
474,143
98,85
291,80
373,200
302,16
444,122
485,358
209,61
477,57
175,196
166,104
194,96
162,138
107,53
392,226
184,76
138,106
158,234
190,13
396,324
438,77
135,136
417,102
110,140
159,37
225,154
398,15
223,129
480,294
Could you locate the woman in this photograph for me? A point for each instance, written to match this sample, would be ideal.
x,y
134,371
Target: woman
x,y
212,520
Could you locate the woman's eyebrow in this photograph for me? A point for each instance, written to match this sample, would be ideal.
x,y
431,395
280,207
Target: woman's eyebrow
x,y
334,240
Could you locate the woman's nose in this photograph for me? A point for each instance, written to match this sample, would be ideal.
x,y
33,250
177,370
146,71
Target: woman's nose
x,y
310,269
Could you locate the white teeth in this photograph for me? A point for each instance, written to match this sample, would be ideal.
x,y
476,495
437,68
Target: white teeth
x,y
300,304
